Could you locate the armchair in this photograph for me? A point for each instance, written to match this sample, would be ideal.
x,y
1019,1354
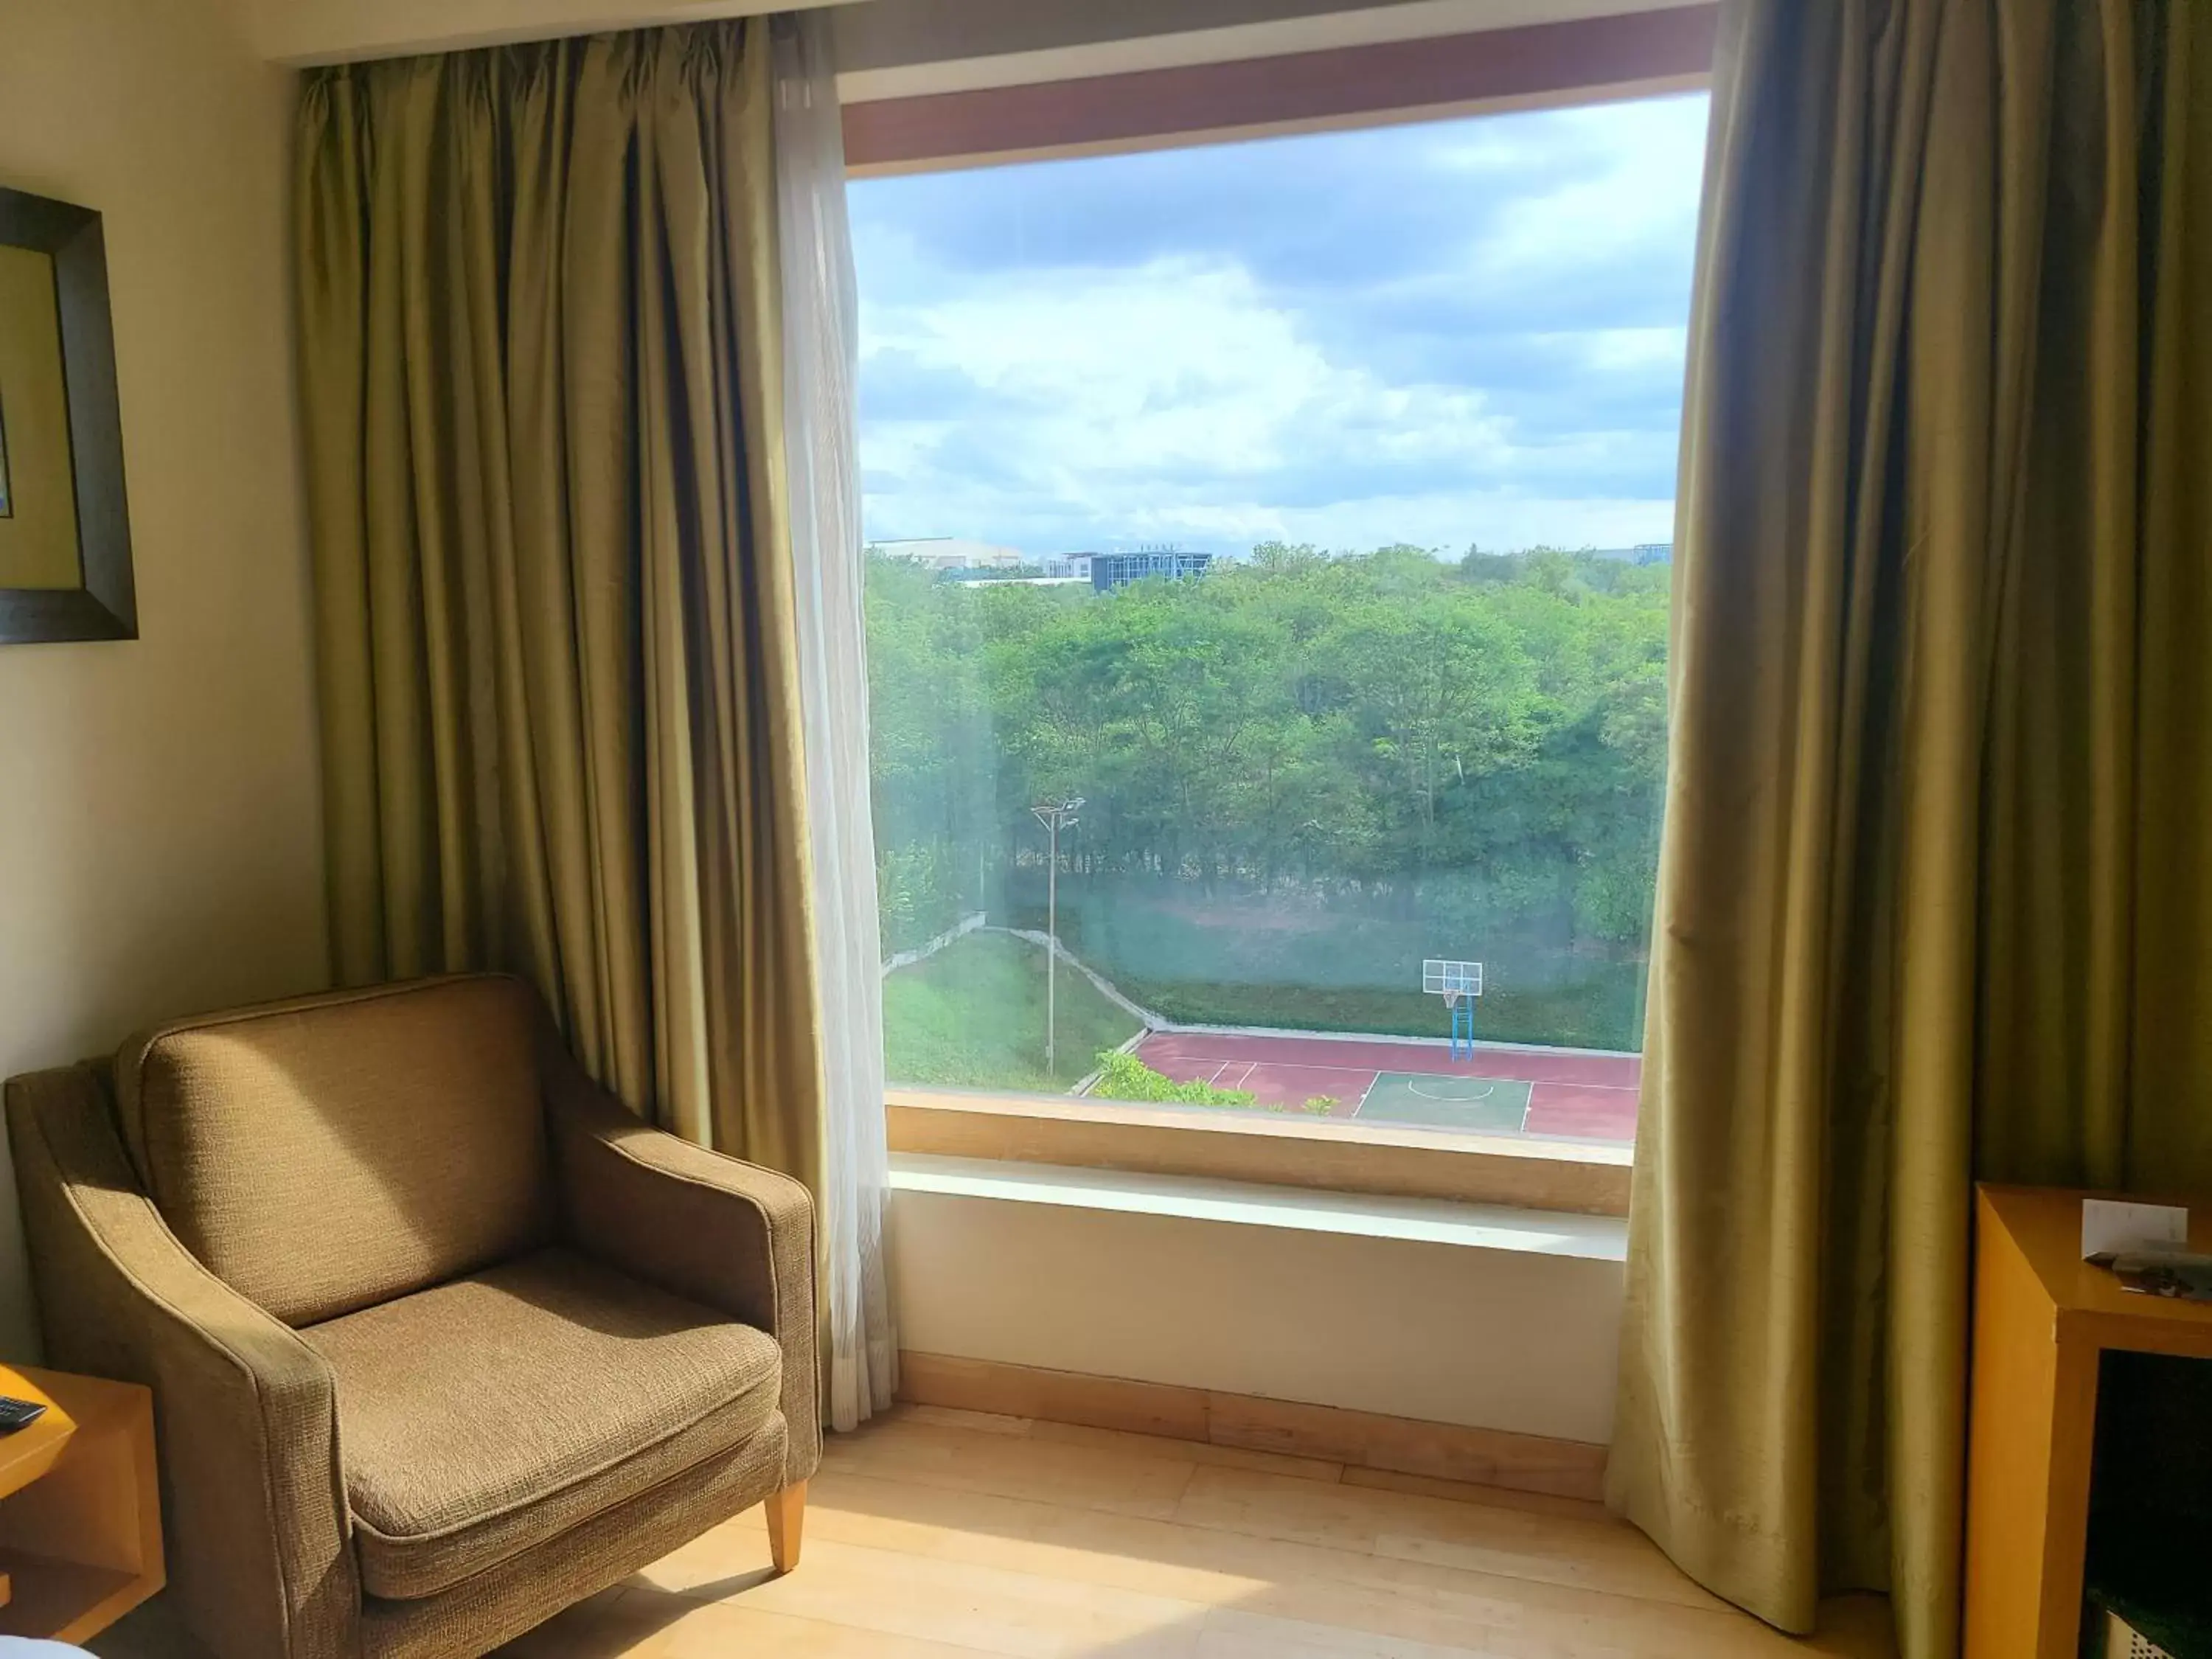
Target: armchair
x,y
441,1338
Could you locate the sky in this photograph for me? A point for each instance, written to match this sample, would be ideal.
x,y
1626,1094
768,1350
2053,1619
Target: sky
x,y
1459,332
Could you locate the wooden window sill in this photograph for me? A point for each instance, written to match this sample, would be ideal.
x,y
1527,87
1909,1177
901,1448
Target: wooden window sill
x,y
1574,1177
1512,1229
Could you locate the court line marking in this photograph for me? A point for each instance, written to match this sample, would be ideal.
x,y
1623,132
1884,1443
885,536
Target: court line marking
x,y
1307,1065
1521,1129
1219,1077
1489,1088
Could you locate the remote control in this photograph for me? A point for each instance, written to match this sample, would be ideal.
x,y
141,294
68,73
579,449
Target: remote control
x,y
18,1414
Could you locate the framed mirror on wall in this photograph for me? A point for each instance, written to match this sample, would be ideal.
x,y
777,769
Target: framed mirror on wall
x,y
65,524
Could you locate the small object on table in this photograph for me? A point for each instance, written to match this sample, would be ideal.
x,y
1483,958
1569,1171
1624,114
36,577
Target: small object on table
x,y
2165,1273
80,1506
2112,1225
18,1414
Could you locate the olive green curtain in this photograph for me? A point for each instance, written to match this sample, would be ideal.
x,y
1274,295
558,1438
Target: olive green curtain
x,y
541,373
1936,886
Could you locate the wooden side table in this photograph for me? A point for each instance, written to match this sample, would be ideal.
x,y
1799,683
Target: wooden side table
x,y
80,1506
2043,1319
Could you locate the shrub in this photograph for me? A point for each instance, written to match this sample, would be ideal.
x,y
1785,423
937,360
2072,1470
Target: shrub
x,y
1124,1077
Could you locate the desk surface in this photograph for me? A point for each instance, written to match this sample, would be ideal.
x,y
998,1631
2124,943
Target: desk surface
x,y
2046,1224
80,1509
30,1451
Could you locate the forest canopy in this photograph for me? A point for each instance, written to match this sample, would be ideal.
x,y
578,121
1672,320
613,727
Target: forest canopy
x,y
1300,774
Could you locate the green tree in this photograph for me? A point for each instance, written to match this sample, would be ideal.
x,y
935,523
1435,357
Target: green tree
x,y
1473,747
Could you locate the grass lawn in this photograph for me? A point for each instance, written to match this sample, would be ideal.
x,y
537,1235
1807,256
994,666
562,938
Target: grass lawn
x,y
972,1015
1248,960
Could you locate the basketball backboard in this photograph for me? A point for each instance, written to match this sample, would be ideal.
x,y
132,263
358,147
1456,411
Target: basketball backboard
x,y
1444,977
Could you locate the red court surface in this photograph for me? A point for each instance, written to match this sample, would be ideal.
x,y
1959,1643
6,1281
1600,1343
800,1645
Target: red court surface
x,y
1571,1095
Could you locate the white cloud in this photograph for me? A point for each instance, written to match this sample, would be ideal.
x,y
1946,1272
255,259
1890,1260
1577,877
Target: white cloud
x,y
1178,400
1648,158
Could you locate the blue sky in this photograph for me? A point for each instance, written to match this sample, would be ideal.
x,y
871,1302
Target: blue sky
x,y
1458,331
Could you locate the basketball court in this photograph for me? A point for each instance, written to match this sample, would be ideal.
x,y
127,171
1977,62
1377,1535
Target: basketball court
x,y
1545,1093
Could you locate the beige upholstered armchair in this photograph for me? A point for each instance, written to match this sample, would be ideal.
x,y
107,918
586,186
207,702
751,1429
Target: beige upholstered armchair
x,y
441,1338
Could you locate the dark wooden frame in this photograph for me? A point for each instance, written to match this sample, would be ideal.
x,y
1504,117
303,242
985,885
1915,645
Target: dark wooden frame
x,y
106,607
1576,60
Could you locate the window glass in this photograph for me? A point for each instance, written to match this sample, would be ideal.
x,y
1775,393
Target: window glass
x,y
1267,585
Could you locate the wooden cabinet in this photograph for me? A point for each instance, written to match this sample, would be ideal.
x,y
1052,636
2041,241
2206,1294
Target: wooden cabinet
x,y
2042,1320
79,1508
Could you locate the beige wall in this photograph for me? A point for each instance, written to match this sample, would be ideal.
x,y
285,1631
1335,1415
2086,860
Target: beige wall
x,y
1441,1332
159,832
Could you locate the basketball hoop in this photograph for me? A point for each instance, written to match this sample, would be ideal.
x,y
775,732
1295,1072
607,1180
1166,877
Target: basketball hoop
x,y
1458,983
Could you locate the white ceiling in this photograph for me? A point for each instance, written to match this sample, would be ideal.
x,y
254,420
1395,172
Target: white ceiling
x,y
898,48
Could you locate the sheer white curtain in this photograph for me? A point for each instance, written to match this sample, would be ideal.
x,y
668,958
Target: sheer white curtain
x,y
821,337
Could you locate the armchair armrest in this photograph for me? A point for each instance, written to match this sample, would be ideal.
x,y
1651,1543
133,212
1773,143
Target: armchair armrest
x,y
731,1235
246,1412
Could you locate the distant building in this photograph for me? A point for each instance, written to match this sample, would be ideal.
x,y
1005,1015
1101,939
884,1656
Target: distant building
x,y
1642,553
1076,566
999,576
1111,570
951,553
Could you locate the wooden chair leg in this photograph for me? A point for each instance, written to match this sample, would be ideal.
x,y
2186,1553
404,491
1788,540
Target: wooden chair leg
x,y
786,1521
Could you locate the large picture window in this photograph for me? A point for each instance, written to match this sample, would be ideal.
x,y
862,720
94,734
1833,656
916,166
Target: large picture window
x,y
1267,589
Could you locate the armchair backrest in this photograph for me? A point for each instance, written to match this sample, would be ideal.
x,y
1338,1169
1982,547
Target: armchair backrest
x,y
327,1153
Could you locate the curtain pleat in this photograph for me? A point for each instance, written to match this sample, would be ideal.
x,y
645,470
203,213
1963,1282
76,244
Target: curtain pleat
x,y
539,335
1932,900
822,449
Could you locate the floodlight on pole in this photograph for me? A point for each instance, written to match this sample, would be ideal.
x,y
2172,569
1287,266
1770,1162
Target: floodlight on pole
x,y
1055,815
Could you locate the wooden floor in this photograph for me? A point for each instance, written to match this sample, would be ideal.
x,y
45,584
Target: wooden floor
x,y
935,1533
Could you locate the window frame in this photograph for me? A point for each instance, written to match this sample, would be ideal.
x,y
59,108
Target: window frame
x,y
1632,54
1629,54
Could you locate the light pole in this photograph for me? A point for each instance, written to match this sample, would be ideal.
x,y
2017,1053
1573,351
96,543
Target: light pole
x,y
1055,815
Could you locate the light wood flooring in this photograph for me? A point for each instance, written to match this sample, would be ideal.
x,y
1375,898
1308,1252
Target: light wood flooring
x,y
936,1533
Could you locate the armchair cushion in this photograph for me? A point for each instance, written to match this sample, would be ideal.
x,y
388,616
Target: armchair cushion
x,y
326,1153
700,1226
487,1415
